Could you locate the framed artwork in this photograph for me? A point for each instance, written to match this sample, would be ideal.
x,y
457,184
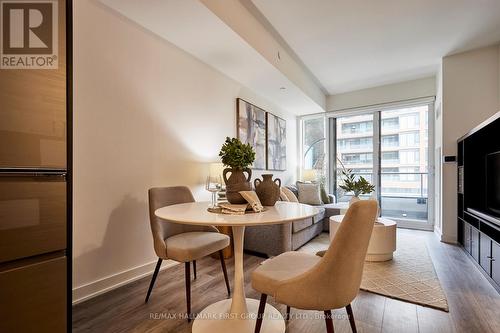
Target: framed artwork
x,y
252,129
276,143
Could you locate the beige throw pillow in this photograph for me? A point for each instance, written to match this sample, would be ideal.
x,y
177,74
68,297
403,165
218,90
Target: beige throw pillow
x,y
309,193
283,196
289,195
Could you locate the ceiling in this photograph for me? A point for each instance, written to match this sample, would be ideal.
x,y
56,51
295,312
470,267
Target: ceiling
x,y
192,27
356,44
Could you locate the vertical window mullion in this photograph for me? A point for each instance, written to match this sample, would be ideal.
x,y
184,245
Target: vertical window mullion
x,y
332,155
377,153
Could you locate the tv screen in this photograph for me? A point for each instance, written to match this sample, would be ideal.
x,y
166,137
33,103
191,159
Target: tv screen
x,y
493,182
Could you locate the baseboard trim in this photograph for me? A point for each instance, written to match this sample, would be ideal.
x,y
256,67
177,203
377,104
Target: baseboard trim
x,y
438,232
444,238
448,239
108,283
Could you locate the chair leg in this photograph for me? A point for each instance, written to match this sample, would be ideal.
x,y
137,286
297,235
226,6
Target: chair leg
x,y
351,318
187,269
153,279
287,313
194,268
329,321
223,264
260,312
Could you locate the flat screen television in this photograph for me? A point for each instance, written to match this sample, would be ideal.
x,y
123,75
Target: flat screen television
x,y
493,183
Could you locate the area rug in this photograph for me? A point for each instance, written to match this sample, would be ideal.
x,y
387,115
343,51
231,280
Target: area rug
x,y
409,276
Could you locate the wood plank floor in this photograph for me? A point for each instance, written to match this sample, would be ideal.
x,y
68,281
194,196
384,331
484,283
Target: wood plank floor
x,y
474,304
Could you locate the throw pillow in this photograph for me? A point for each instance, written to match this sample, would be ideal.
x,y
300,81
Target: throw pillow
x,y
294,189
289,194
309,194
324,196
283,196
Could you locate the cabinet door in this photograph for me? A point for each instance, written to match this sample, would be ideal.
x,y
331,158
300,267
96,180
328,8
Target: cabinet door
x,y
495,267
485,252
32,216
33,111
467,237
33,297
474,244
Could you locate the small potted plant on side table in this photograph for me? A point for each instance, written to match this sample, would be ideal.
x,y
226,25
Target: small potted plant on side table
x,y
356,186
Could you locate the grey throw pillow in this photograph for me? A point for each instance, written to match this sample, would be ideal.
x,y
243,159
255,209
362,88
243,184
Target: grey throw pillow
x,y
324,196
309,193
294,190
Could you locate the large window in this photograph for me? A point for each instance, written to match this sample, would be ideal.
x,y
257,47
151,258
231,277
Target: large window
x,y
314,148
388,147
403,193
354,148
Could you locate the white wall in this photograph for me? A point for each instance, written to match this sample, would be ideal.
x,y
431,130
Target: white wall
x,y
470,94
438,143
145,114
383,94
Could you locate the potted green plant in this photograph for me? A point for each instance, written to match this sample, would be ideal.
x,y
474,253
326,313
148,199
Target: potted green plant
x,y
237,157
356,186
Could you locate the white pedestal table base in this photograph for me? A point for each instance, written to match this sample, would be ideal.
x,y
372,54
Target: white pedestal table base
x,y
216,318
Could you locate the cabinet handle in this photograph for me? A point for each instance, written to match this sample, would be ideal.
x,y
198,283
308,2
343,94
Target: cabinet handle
x,y
32,172
489,257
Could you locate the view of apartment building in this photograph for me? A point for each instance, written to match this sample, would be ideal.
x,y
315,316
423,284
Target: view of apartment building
x,y
403,157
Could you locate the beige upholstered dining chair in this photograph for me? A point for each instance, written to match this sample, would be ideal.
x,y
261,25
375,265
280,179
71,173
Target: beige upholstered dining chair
x,y
309,282
182,243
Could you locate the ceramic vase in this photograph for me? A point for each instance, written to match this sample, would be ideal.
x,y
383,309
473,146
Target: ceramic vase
x,y
235,182
267,189
353,200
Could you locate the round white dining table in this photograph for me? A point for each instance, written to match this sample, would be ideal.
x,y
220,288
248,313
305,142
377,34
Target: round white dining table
x,y
239,313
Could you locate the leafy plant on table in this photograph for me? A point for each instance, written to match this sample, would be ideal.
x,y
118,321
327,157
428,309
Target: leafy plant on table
x,y
237,155
357,186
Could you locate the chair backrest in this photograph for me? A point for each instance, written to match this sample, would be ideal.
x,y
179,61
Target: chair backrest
x,y
334,282
162,229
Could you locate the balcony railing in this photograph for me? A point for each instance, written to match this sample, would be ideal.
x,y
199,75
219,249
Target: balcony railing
x,y
411,205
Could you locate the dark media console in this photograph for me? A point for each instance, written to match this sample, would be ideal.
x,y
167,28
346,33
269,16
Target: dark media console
x,y
479,197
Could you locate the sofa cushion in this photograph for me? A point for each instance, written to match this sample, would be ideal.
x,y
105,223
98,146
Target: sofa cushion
x,y
309,193
320,216
305,223
289,195
283,196
293,188
324,196
302,237
331,210
301,224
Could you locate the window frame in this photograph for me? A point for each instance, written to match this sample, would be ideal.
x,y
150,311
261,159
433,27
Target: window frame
x,y
330,149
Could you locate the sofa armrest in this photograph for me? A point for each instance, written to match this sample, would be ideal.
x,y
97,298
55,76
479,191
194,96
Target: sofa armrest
x,y
332,197
270,240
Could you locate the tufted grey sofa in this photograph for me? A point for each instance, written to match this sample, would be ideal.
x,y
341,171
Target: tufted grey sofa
x,y
272,240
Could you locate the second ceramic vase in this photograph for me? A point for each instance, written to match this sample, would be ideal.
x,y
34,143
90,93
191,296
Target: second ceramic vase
x,y
267,189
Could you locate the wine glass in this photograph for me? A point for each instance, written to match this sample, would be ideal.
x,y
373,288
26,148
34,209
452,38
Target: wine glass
x,y
213,185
